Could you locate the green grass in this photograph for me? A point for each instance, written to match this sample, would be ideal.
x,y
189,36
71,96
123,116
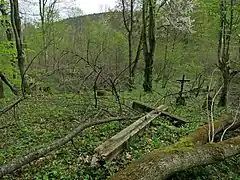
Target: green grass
x,y
41,119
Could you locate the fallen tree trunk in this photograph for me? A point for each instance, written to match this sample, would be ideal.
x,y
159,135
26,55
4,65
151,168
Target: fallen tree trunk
x,y
159,165
16,164
190,151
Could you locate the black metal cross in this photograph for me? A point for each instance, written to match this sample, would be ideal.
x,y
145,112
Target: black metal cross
x,y
182,81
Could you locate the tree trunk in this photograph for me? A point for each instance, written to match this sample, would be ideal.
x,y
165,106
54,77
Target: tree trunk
x,y
160,164
130,81
16,24
4,79
147,84
225,32
1,89
139,49
7,25
224,94
191,151
149,43
128,23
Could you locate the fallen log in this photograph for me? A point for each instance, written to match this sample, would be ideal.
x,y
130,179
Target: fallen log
x,y
159,165
18,163
141,107
190,151
110,148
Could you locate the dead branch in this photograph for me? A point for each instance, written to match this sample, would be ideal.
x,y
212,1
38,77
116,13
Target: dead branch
x,y
4,79
9,107
18,163
116,94
95,87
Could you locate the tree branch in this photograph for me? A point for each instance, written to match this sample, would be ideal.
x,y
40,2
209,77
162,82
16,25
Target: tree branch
x,y
6,109
4,79
18,163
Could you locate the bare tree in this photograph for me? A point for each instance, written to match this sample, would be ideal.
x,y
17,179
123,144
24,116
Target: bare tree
x,y
46,11
129,27
149,39
17,29
130,19
225,33
7,25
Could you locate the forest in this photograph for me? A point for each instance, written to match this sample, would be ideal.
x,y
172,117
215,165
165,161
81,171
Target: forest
x,y
149,89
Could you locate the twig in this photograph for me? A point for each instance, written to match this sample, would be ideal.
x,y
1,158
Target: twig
x,y
95,87
116,94
38,54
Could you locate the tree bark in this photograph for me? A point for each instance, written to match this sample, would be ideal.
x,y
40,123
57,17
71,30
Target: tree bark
x,y
16,24
147,84
139,49
149,41
225,33
191,151
5,23
224,94
162,164
128,23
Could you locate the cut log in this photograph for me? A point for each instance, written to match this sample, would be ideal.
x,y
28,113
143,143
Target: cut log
x,y
110,148
141,107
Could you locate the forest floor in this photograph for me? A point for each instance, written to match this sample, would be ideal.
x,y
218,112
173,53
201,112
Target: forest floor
x,y
43,118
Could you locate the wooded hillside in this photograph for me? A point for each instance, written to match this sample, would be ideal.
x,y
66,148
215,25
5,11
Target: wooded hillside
x,y
148,90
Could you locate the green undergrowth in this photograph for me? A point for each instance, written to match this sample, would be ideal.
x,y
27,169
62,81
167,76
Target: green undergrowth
x,y
43,118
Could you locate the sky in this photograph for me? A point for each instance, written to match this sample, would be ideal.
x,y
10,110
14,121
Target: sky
x,y
30,8
94,6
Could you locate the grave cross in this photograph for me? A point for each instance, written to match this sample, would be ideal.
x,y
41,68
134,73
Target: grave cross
x,y
182,81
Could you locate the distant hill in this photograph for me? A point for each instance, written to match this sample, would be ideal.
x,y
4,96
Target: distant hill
x,y
114,18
